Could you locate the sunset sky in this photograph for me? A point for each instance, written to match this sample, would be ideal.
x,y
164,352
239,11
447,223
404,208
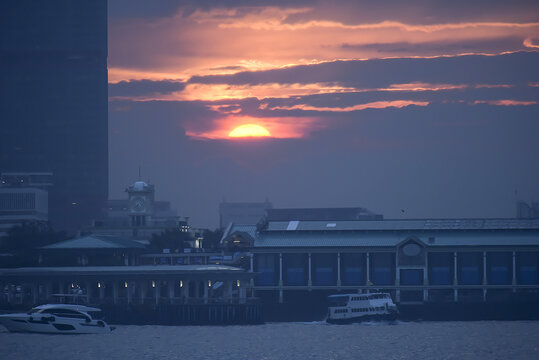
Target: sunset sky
x,y
412,109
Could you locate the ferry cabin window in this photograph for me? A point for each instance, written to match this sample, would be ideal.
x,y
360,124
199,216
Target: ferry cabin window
x,y
338,300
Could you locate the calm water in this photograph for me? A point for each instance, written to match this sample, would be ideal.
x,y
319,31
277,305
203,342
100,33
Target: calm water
x,y
317,340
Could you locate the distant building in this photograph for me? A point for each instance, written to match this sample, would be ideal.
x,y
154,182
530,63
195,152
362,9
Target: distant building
x,y
243,234
54,100
92,250
119,210
527,211
242,212
23,199
39,180
313,214
139,216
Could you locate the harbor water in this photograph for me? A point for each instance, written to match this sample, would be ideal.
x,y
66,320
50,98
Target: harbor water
x,y
311,340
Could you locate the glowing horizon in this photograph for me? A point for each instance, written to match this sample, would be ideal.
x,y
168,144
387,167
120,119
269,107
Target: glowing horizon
x,y
250,131
265,76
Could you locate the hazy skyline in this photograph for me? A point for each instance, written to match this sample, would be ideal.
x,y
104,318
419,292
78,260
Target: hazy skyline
x,y
426,107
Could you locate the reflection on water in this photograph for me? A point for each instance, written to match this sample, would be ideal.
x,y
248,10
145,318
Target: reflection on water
x,y
313,340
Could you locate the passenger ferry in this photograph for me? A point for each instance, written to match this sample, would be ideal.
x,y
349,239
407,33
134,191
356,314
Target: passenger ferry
x,y
347,308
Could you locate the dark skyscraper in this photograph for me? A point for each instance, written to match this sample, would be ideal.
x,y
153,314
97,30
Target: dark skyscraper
x,y
53,101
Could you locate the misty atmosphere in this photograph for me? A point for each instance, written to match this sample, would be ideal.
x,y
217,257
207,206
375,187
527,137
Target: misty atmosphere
x,y
238,179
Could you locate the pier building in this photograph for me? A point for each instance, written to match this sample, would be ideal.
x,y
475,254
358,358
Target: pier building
x,y
420,262
134,285
147,294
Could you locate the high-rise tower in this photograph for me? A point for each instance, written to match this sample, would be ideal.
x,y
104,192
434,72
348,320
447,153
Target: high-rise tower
x,y
53,101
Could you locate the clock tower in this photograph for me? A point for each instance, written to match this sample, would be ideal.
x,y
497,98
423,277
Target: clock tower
x,y
141,199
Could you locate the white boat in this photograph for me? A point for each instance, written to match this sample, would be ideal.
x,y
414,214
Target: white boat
x,y
56,319
347,308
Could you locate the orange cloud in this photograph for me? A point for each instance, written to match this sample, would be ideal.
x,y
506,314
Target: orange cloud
x,y
216,92
190,44
528,42
117,74
493,86
371,105
226,109
506,102
268,23
418,86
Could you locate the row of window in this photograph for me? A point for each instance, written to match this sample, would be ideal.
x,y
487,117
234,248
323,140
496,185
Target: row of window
x,y
373,296
377,308
60,312
17,201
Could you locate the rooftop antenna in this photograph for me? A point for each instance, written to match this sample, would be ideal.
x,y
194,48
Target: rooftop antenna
x,y
139,173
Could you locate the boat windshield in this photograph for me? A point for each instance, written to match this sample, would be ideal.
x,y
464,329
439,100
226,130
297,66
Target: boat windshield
x,y
341,300
34,310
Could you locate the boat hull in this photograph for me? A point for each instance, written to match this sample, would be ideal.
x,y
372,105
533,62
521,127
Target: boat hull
x,y
52,325
364,318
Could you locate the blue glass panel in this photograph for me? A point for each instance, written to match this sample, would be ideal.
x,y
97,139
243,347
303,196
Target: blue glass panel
x,y
527,275
353,276
499,275
412,277
295,276
469,275
266,276
382,276
440,275
324,276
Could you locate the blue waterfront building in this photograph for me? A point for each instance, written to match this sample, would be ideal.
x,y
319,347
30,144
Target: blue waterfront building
x,y
421,261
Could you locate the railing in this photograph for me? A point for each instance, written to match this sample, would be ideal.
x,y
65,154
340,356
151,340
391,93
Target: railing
x,y
173,300
191,258
392,287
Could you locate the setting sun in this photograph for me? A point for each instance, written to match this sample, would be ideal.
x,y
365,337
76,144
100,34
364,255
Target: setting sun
x,y
249,130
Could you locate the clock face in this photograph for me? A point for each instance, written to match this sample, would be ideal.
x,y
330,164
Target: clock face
x,y
138,204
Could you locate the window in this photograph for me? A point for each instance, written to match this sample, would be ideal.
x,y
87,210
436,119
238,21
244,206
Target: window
x,y
338,300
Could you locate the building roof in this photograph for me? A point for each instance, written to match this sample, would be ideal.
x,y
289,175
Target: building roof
x,y
123,270
95,242
400,225
233,228
392,239
322,214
